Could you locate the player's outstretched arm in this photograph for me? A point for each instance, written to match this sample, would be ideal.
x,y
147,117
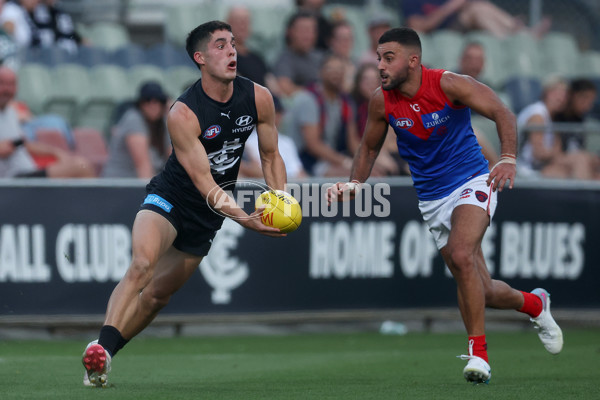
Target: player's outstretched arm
x,y
368,150
465,90
185,130
273,166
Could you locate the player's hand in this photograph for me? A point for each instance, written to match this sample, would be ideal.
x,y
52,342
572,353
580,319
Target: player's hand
x,y
255,223
342,191
500,174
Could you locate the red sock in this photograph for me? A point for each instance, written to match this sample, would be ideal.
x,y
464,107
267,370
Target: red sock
x,y
532,305
479,346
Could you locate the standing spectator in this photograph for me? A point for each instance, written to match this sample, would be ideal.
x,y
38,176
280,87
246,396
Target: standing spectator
x,y
15,21
341,44
140,144
465,15
298,64
324,27
541,151
321,122
17,154
55,27
378,25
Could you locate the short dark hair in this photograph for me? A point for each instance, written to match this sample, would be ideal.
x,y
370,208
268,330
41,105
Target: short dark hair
x,y
295,17
403,36
582,85
198,37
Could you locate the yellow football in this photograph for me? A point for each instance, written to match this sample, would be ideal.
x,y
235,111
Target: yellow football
x,y
281,210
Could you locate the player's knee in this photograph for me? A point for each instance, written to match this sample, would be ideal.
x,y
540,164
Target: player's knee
x,y
462,260
140,271
155,302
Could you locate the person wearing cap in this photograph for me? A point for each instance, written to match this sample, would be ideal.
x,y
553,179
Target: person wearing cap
x,y
139,144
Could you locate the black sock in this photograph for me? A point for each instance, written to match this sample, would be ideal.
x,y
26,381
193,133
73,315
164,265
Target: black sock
x,y
111,339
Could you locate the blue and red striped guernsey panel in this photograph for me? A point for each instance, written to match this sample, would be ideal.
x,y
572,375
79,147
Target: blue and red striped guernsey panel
x,y
435,137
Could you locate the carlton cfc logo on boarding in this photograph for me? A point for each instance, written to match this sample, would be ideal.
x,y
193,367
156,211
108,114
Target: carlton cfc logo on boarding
x,y
212,132
404,123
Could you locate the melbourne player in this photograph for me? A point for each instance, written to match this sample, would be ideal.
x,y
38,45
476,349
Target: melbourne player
x,y
209,124
429,111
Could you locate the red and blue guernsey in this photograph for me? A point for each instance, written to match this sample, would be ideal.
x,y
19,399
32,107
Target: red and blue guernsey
x,y
435,137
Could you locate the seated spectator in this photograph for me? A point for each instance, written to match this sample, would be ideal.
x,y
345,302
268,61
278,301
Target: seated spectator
x,y
366,81
140,144
541,151
249,64
378,25
321,122
18,156
341,44
298,63
55,27
581,98
464,15
472,60
16,21
324,27
8,48
251,165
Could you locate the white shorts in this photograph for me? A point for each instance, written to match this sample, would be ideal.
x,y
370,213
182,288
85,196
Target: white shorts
x,y
438,213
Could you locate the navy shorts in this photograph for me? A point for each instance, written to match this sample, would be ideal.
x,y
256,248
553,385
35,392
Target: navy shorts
x,y
193,236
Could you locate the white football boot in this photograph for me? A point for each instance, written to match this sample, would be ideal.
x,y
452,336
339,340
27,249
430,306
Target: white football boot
x,y
96,362
548,330
477,369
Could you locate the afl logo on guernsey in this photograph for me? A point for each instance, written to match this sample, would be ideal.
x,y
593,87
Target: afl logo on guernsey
x,y
212,132
404,123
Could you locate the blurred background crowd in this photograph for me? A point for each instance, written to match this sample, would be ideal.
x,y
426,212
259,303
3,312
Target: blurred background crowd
x,y
85,85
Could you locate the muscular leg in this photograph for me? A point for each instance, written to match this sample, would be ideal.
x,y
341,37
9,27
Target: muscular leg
x,y
460,254
152,236
172,271
498,294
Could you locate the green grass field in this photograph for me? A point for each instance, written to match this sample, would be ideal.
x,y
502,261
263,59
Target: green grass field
x,y
307,366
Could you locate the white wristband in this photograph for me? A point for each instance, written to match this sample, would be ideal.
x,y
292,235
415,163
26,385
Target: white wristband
x,y
505,160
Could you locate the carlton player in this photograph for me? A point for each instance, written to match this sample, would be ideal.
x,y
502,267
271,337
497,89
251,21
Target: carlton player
x,y
429,110
208,124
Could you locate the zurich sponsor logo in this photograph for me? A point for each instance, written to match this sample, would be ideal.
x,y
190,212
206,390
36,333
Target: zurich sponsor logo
x,y
244,120
212,132
158,202
434,119
404,123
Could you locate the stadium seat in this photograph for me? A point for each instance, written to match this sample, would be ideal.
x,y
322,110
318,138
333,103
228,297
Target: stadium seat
x,y
90,144
428,52
559,54
589,64
52,137
179,78
523,91
91,56
108,35
487,128
522,56
69,88
166,55
109,85
49,56
139,74
129,55
34,86
182,18
447,46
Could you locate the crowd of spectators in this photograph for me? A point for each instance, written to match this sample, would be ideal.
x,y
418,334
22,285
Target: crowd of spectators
x,y
321,88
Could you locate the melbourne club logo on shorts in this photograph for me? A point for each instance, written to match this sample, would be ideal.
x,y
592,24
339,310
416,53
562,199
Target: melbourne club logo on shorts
x,y
466,193
481,196
212,132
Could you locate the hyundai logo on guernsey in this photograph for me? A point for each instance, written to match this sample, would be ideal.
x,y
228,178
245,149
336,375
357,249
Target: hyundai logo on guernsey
x,y
243,120
158,202
435,119
405,123
212,132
